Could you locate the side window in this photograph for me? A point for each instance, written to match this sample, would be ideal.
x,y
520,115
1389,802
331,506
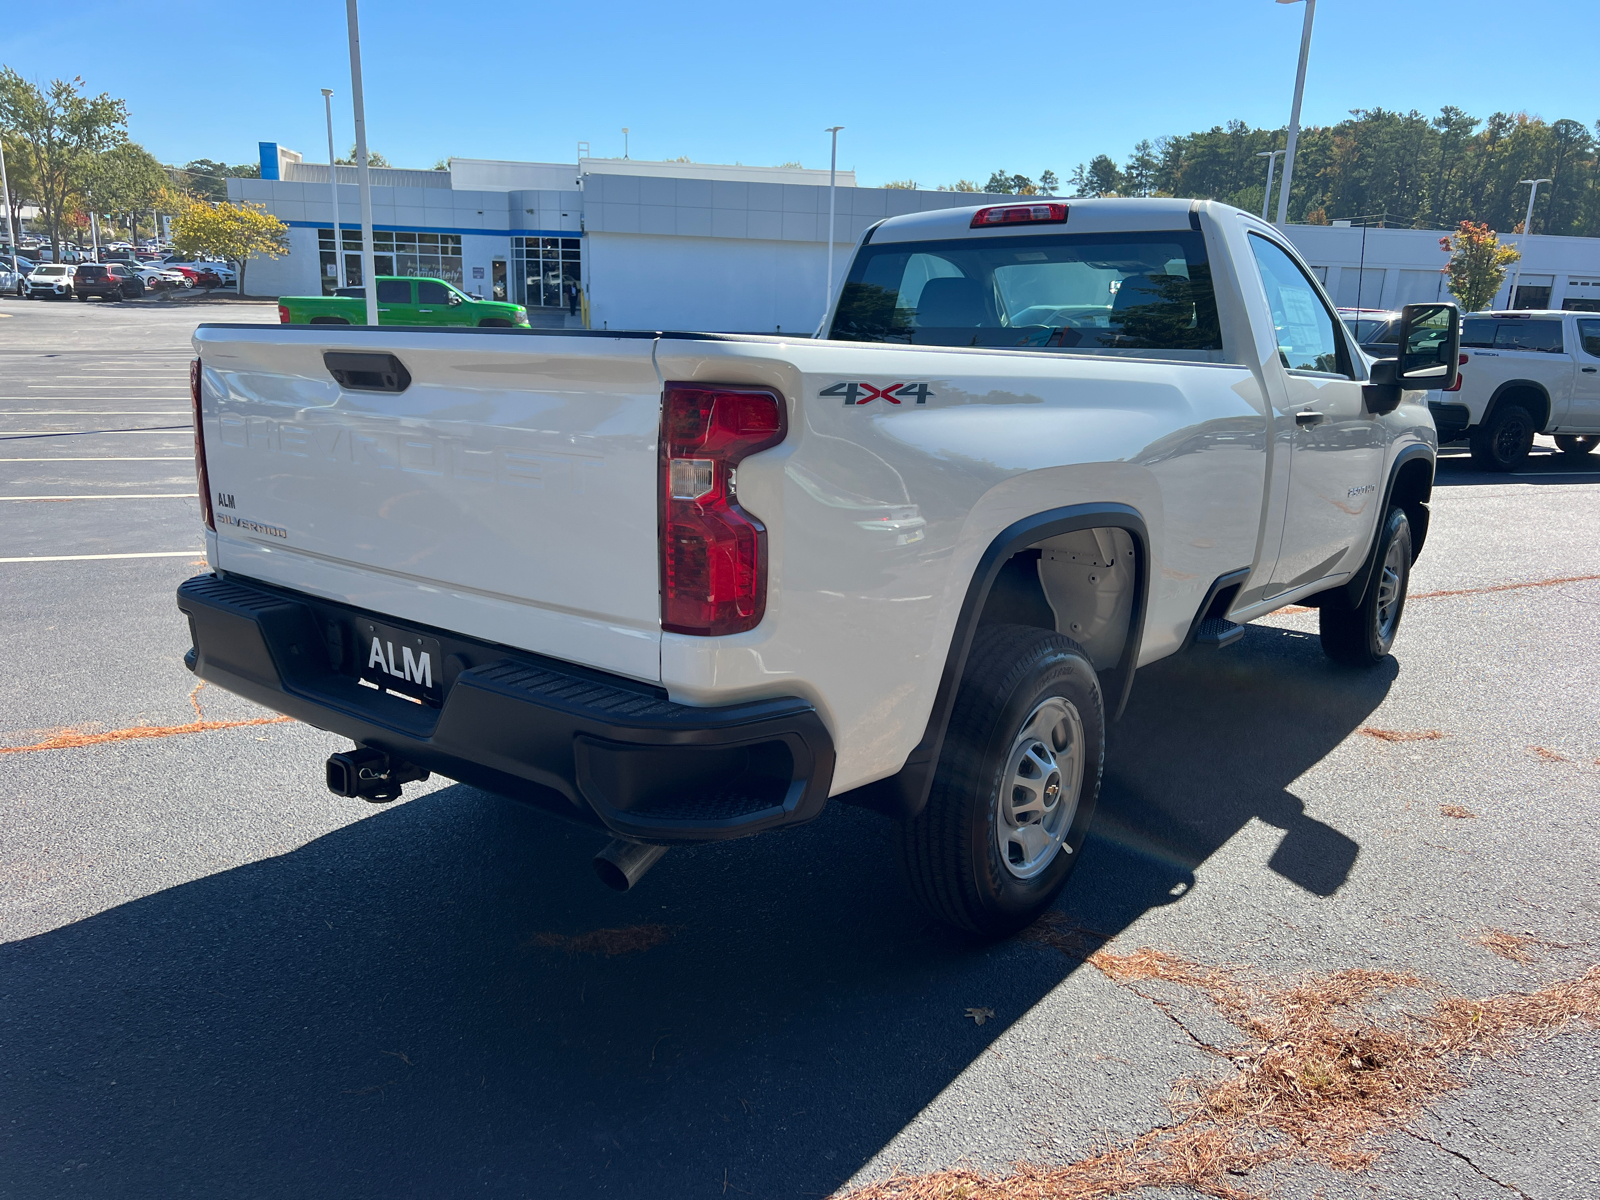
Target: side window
x,y
394,291
1589,336
1529,335
432,291
1307,340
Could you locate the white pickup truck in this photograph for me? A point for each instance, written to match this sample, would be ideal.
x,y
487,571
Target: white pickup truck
x,y
1523,372
691,586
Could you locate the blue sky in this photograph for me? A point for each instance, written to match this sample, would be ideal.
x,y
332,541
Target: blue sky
x,y
932,91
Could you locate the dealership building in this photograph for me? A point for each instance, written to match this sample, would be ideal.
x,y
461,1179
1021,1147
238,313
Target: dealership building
x,y
677,245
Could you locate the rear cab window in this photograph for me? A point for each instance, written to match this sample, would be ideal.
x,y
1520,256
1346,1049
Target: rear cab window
x,y
1511,333
1131,294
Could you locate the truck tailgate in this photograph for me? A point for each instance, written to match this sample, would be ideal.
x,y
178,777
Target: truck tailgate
x,y
507,493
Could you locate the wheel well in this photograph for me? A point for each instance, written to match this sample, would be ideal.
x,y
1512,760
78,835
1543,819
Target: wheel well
x,y
1413,485
1530,395
1080,584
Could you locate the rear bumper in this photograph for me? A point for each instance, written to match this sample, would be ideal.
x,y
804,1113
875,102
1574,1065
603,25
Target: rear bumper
x,y
586,745
1451,420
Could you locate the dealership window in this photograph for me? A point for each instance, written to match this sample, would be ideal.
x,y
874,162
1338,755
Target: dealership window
x,y
542,267
430,255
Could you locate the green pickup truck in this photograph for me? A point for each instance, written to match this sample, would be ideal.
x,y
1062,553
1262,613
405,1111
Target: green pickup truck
x,y
401,301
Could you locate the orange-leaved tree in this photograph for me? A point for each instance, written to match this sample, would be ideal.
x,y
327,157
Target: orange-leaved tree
x,y
1478,264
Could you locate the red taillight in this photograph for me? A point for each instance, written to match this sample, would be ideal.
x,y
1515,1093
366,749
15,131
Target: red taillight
x,y
1456,386
1020,214
713,553
283,314
200,475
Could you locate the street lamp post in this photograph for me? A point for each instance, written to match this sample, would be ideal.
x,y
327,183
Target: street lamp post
x,y
1272,161
5,198
369,279
333,182
1527,231
624,141
1294,113
833,178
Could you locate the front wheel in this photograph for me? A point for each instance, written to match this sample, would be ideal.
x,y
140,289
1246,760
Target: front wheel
x,y
1503,441
1016,787
1576,445
1363,636
494,323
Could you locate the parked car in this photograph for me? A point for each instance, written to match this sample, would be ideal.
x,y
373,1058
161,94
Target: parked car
x,y
128,279
402,300
623,578
1523,372
181,275
96,279
1376,330
50,281
150,276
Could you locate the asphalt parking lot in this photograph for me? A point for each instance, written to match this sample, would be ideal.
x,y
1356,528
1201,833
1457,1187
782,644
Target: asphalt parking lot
x,y
217,979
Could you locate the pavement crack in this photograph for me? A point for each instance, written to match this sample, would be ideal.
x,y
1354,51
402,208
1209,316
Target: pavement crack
x,y
1436,1143
1165,1008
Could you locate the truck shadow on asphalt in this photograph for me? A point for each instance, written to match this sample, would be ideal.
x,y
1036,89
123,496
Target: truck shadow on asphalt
x,y
384,1011
1455,468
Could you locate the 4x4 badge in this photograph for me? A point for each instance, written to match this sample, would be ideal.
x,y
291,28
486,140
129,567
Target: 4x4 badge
x,y
865,393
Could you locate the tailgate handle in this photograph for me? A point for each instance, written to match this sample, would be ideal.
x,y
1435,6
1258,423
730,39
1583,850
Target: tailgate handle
x,y
367,372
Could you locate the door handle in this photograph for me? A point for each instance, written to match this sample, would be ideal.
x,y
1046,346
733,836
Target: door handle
x,y
1309,416
1590,370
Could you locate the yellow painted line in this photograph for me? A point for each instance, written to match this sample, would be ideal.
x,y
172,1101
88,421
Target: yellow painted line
x,y
96,557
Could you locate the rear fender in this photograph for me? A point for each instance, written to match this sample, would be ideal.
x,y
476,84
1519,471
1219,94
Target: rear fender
x,y
903,795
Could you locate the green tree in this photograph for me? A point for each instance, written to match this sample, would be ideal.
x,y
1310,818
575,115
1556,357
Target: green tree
x,y
1002,183
236,232
909,185
58,132
1478,264
1048,183
1139,176
374,159
1103,177
127,180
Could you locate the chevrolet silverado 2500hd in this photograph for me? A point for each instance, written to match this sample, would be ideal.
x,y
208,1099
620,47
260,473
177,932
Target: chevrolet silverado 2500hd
x,y
1523,372
687,586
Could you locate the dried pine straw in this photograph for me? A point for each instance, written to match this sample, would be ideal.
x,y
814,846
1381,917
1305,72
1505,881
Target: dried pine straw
x,y
1458,811
1319,1078
1401,735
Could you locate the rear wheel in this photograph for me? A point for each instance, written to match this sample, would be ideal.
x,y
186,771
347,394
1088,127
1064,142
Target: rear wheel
x,y
1363,636
1576,445
1503,441
1016,787
329,321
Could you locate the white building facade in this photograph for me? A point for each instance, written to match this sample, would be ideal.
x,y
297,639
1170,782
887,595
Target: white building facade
x,y
641,245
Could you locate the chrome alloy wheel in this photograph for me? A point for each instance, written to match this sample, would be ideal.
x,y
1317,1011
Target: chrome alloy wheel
x,y
1389,594
1039,791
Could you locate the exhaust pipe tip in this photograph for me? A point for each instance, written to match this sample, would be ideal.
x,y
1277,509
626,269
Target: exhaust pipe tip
x,y
623,863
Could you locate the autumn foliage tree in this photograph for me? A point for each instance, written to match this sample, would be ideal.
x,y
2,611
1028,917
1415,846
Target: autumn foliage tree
x,y
236,232
1478,264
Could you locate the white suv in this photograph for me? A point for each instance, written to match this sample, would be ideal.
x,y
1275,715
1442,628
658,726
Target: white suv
x,y
1523,372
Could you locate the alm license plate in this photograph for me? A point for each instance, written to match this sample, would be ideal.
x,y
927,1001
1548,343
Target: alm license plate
x,y
398,661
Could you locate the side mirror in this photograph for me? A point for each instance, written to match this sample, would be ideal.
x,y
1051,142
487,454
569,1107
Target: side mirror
x,y
1430,346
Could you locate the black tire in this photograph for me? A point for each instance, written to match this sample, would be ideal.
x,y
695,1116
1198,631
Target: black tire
x,y
328,321
958,862
1576,445
1363,636
494,323
1503,441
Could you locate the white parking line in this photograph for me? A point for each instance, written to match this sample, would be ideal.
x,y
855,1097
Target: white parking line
x,y
102,412
107,458
124,496
94,557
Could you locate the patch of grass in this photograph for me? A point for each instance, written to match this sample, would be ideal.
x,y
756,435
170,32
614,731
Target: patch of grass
x,y
1318,1077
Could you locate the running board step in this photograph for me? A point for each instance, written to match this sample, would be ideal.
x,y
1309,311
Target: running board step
x,y
1218,632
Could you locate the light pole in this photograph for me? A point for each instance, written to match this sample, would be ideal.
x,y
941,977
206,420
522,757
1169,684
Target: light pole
x,y
1272,161
333,181
1294,113
1527,231
5,198
624,141
833,178
369,280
